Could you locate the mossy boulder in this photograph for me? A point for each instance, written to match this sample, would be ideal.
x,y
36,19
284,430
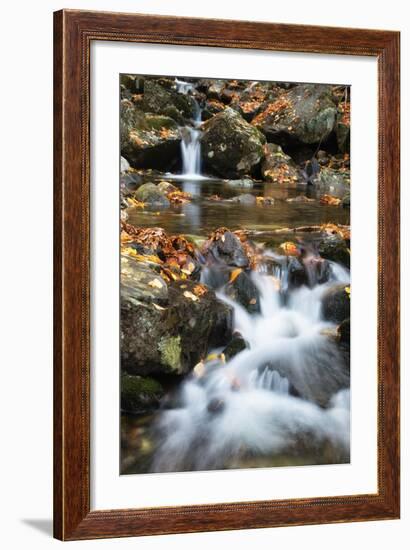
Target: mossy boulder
x,y
140,394
305,114
231,147
174,337
235,346
168,102
335,249
149,140
151,194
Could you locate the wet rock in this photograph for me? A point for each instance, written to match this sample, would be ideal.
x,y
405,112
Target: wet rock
x,y
166,187
235,346
344,332
244,291
334,248
139,283
336,303
332,182
140,394
278,167
230,146
125,165
211,108
245,183
346,201
305,114
226,248
150,194
216,405
172,338
149,140
297,275
246,199
165,101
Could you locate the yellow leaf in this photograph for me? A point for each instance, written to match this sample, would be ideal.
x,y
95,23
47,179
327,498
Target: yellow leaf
x,y
347,290
234,274
199,369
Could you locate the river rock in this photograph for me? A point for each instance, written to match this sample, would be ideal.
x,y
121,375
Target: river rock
x,y
278,167
149,140
235,346
230,146
166,187
139,283
244,291
245,183
174,337
150,194
226,248
140,394
344,332
336,303
332,182
334,248
305,114
246,199
168,102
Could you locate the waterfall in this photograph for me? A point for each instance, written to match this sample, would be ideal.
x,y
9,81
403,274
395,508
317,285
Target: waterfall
x,y
191,137
288,389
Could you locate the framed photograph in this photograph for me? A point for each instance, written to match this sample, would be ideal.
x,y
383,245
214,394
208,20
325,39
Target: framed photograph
x,y
226,288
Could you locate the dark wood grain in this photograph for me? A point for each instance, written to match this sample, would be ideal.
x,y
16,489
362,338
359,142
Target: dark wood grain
x,y
73,33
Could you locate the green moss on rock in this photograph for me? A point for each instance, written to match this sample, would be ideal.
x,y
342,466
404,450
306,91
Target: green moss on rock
x,y
170,349
139,394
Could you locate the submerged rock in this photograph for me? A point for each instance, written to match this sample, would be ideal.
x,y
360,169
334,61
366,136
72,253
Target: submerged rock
x,y
246,199
305,114
140,394
150,194
230,146
246,183
336,303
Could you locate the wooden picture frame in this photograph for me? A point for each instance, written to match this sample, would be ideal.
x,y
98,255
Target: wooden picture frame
x,y
74,32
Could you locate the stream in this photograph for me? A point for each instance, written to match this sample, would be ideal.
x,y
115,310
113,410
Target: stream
x,y
285,399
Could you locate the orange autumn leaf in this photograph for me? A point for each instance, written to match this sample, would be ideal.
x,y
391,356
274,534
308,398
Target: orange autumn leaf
x,y
235,274
330,201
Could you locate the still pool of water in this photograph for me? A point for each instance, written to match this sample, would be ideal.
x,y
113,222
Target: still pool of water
x,y
203,215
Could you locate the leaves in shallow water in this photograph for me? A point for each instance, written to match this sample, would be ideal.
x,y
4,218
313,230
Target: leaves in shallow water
x,y
179,197
329,200
135,203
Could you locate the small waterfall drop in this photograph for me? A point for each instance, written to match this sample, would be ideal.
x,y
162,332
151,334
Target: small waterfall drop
x,y
191,137
289,388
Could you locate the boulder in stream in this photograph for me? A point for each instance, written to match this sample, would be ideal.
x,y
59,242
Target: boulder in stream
x,y
305,114
174,337
149,140
231,147
151,194
278,167
140,394
226,248
244,291
336,303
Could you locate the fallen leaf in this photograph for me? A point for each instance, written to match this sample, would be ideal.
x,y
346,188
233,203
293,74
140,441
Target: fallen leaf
x,y
290,249
235,274
330,201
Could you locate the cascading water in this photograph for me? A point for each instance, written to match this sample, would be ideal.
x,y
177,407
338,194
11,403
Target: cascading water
x,y
286,392
191,137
